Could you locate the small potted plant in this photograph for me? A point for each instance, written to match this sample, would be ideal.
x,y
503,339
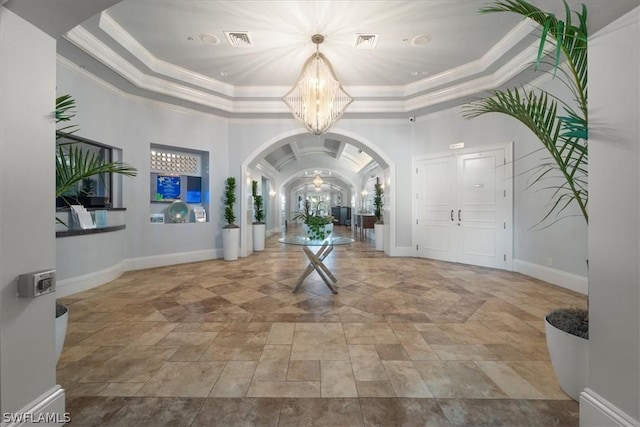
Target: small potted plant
x,y
258,215
230,232
314,225
378,227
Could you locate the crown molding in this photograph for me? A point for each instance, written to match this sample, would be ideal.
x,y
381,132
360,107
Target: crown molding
x,y
265,100
75,68
482,84
86,41
124,39
128,42
516,35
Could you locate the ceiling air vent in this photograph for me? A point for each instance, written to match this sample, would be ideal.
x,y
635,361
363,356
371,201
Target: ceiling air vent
x,y
366,41
239,38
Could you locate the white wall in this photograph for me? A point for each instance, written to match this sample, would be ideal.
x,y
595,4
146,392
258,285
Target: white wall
x,y
27,221
132,125
614,232
565,242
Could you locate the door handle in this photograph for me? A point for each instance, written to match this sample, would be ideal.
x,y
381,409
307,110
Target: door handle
x,y
459,211
451,214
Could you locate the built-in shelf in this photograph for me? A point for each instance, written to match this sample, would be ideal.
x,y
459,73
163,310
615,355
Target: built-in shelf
x,y
69,233
67,209
114,221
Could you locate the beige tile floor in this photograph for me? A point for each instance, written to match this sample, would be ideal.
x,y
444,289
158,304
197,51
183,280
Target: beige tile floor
x,y
405,342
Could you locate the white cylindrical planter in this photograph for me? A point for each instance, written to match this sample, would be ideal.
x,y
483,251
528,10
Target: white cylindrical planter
x,y
259,234
230,243
378,230
61,332
570,359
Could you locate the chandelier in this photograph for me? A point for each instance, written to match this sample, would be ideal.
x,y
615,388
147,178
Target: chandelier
x,y
317,181
317,99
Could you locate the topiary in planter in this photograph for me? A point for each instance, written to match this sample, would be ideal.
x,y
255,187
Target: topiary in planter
x,y
229,202
258,203
378,203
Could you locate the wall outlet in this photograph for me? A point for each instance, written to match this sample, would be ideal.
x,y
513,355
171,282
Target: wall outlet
x,y
550,262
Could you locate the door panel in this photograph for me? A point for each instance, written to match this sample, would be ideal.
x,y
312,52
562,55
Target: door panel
x,y
436,181
478,242
462,208
480,193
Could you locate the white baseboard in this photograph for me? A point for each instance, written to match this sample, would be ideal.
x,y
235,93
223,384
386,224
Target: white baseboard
x,y
49,406
557,277
596,411
85,282
171,259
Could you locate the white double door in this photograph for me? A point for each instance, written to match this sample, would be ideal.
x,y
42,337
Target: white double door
x,y
464,207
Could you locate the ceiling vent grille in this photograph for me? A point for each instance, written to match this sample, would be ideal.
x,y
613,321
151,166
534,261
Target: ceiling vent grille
x,y
238,38
366,41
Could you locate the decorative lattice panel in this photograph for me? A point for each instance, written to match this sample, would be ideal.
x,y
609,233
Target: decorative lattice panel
x,y
163,161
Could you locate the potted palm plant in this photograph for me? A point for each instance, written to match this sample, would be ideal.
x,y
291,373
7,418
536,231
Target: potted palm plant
x,y
75,166
378,227
230,232
562,128
258,226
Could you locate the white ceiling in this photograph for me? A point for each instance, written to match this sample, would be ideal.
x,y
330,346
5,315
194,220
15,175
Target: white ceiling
x,y
281,33
154,48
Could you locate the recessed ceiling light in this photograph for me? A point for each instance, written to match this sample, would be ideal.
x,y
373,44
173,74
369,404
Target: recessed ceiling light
x,y
414,73
209,39
420,40
223,73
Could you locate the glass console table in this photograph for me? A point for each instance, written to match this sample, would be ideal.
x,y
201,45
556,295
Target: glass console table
x,y
316,259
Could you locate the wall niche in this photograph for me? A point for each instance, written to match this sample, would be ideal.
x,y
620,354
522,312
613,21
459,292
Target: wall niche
x,y
178,173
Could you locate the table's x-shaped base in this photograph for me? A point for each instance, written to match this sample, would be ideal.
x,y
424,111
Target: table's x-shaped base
x,y
315,263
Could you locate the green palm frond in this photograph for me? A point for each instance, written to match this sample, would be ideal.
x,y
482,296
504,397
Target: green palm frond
x,y
73,164
562,129
537,110
570,40
64,113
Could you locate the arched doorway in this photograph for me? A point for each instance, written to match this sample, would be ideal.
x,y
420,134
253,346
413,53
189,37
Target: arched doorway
x,y
284,157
